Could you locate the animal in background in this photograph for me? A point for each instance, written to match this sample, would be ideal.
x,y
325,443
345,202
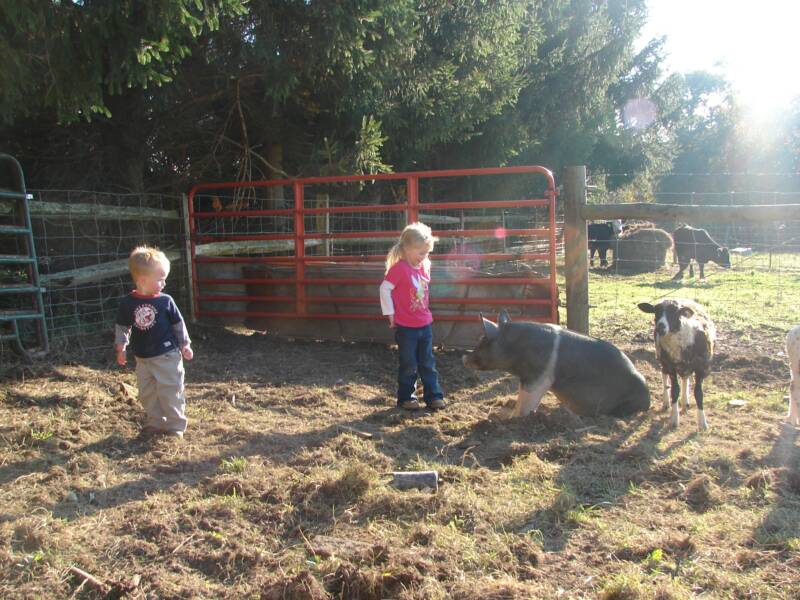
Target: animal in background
x,y
692,243
793,352
684,337
600,237
589,376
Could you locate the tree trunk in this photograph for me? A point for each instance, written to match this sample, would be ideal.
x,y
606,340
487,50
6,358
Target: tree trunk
x,y
125,141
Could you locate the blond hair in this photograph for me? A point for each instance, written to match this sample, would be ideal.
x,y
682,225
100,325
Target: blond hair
x,y
415,234
143,260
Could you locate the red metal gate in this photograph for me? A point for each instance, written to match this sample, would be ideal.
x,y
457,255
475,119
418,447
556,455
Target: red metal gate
x,y
293,233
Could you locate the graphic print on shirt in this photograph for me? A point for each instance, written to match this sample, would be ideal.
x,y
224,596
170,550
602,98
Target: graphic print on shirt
x,y
144,317
418,293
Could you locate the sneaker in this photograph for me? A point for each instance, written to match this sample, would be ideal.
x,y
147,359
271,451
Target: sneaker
x,y
437,404
412,404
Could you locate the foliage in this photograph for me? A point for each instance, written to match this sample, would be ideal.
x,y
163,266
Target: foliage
x,y
149,95
69,56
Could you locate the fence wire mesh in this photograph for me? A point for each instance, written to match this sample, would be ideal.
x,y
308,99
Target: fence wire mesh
x,y
83,239
760,284
225,226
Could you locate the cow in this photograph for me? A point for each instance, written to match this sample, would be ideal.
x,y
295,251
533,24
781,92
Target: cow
x,y
692,243
600,237
685,336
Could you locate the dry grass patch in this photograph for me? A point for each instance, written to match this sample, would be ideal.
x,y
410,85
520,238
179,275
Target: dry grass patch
x,y
525,507
702,493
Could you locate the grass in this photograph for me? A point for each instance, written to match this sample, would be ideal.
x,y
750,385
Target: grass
x,y
271,498
753,299
233,465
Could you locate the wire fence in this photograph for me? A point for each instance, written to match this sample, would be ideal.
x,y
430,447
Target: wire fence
x,y
83,239
352,195
756,279
491,226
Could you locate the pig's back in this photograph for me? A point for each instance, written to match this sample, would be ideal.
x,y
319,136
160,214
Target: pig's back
x,y
595,377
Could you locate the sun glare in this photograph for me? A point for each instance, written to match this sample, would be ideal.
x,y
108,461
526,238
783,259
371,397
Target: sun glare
x,y
754,46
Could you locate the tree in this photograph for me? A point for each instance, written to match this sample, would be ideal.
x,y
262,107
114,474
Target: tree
x,y
301,88
96,60
72,56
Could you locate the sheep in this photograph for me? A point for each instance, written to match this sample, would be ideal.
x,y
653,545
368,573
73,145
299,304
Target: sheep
x,y
793,352
684,338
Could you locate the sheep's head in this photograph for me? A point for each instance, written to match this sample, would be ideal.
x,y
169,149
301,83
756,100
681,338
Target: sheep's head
x,y
667,315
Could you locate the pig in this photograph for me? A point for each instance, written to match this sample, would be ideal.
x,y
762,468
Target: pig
x,y
589,376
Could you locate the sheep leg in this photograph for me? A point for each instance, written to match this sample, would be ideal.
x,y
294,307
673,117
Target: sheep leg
x,y
700,266
702,424
666,388
685,385
676,390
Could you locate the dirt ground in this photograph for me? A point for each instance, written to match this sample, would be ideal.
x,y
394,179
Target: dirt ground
x,y
280,487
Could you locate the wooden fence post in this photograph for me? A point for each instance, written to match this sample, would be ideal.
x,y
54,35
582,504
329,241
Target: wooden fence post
x,y
576,246
187,254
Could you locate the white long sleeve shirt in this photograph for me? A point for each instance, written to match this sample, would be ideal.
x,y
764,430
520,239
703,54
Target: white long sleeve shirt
x,y
387,305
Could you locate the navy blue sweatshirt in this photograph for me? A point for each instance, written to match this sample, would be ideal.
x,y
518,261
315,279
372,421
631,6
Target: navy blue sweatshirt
x,y
154,324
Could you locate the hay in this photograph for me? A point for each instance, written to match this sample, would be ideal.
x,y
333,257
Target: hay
x,y
302,586
641,250
701,493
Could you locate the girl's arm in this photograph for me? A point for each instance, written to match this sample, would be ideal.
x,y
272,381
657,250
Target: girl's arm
x,y
387,306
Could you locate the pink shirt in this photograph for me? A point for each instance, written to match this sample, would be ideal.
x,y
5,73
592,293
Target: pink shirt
x,y
410,295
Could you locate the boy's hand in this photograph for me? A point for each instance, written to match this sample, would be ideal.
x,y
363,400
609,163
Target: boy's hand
x,y
187,353
391,321
122,359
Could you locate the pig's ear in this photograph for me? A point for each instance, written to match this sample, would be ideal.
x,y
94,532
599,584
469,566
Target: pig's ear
x,y
503,318
647,307
489,328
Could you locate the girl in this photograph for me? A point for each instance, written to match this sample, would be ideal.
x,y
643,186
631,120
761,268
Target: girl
x,y
404,299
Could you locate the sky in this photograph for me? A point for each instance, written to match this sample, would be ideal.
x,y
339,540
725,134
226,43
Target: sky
x,y
755,45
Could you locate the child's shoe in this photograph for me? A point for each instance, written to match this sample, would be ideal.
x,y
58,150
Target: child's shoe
x,y
437,404
411,404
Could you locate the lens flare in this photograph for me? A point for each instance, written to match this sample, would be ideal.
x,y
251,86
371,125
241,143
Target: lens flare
x,y
500,233
639,113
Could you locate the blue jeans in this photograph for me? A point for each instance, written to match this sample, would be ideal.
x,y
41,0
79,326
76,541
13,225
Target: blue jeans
x,y
416,356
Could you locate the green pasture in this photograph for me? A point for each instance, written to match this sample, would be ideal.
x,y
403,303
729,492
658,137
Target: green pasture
x,y
756,298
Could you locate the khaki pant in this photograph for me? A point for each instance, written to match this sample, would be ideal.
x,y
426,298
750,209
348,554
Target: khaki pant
x,y
160,381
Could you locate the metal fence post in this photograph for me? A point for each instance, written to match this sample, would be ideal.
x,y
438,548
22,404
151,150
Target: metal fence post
x,y
299,247
576,245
